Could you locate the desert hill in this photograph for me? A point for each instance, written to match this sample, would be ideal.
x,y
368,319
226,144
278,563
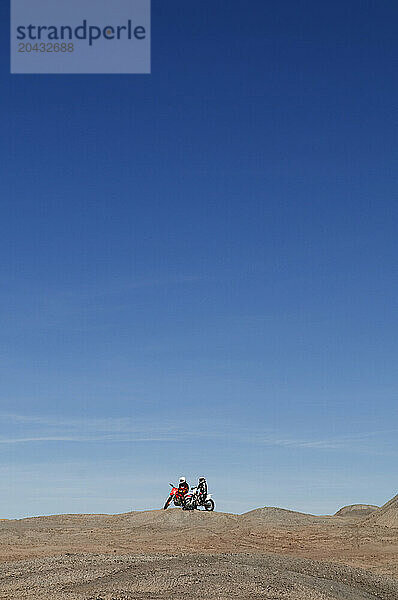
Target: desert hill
x,y
357,510
271,515
170,520
173,518
386,516
265,553
162,531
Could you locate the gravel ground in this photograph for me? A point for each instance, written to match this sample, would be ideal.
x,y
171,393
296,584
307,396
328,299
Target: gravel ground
x,y
161,577
266,554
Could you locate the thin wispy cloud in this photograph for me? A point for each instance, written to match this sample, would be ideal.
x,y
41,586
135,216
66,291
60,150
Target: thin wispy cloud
x,y
63,429
25,429
362,442
127,424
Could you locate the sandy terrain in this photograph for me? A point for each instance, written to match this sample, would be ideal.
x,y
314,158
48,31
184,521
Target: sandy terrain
x,y
357,510
269,553
387,516
248,576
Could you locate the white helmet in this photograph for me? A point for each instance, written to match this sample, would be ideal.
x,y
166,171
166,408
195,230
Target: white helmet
x,y
183,480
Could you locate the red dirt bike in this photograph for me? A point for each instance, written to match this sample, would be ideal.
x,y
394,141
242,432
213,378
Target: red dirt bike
x,y
176,497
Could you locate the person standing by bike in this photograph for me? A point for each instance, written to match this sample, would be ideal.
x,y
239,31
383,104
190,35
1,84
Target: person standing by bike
x,y
183,489
202,489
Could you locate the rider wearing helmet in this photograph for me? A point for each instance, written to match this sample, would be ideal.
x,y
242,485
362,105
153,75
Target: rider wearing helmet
x,y
183,488
202,488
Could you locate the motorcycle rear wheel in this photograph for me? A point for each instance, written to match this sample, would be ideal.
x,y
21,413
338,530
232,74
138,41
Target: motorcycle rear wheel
x,y
167,503
209,504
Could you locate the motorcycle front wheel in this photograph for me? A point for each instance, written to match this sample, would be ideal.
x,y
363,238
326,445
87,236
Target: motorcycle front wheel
x,y
209,504
167,503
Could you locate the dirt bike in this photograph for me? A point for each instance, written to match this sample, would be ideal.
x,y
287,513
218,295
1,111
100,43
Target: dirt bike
x,y
176,497
195,500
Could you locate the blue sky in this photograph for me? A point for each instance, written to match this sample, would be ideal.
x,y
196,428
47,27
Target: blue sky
x,y
199,267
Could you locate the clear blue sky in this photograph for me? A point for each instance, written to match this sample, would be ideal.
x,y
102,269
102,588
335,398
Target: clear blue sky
x,y
199,267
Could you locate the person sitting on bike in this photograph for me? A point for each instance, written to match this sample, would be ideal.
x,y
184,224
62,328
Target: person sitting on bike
x,y
202,488
183,488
